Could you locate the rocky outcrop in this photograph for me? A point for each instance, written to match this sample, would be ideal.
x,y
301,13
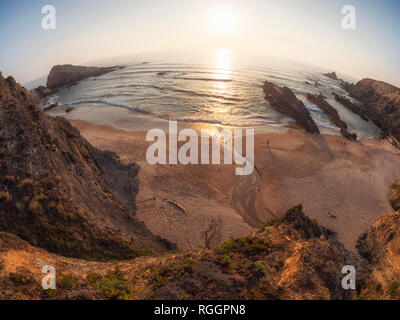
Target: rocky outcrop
x,y
292,258
380,245
332,114
40,93
394,195
284,101
67,74
331,75
355,108
380,103
60,193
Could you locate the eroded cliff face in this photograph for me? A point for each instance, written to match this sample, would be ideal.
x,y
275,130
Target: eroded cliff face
x,y
60,193
380,103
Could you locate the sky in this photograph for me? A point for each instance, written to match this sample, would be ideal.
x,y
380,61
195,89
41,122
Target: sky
x,y
307,31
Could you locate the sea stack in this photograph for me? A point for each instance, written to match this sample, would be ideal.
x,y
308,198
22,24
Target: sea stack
x,y
284,101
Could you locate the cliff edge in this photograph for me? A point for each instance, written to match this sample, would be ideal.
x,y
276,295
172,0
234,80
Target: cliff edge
x,y
60,193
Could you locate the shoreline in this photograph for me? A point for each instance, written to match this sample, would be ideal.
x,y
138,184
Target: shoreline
x,y
340,184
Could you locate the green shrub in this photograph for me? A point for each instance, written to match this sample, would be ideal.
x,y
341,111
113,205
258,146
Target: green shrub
x,y
67,281
51,292
92,277
114,289
270,224
18,278
114,285
249,246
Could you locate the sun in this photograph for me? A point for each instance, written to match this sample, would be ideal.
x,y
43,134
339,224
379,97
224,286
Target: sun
x,y
222,21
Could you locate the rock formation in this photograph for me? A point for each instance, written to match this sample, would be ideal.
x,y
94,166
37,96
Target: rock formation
x,y
284,101
63,75
380,245
291,258
380,103
40,93
60,193
356,108
331,75
332,114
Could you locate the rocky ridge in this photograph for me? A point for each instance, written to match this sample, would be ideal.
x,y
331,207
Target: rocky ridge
x,y
333,115
284,101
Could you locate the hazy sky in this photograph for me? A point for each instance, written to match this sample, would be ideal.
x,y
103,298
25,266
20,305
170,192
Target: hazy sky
x,y
307,31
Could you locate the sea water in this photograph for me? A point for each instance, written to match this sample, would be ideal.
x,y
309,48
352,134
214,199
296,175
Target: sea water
x,y
218,88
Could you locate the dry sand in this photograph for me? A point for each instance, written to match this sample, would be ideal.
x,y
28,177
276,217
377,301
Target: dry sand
x,y
341,184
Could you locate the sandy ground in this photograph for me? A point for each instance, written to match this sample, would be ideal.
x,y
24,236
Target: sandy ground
x,y
341,184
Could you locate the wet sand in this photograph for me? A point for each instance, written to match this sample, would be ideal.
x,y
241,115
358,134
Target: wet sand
x,y
341,184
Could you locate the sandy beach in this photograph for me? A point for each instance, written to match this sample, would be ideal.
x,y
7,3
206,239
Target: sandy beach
x,y
341,184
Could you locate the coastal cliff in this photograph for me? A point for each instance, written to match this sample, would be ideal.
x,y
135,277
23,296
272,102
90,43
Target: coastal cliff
x,y
380,103
67,74
60,198
290,258
60,193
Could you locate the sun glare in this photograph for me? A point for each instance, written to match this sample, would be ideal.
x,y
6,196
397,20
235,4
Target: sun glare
x,y
222,21
222,59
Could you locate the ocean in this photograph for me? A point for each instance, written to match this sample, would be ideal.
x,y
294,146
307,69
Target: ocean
x,y
218,88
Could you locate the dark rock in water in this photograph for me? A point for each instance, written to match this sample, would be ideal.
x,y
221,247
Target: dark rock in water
x,y
332,114
67,74
380,103
357,109
394,195
331,75
50,107
41,92
284,101
162,73
59,192
68,110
